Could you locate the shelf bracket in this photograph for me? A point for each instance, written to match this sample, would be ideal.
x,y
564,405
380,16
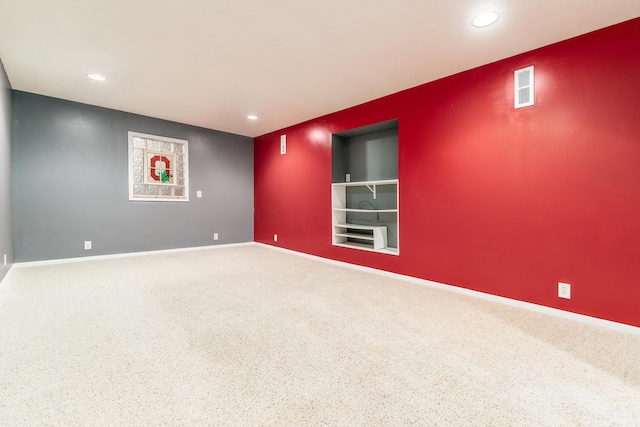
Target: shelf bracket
x,y
373,190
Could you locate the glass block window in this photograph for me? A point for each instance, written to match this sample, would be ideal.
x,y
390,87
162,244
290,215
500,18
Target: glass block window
x,y
158,168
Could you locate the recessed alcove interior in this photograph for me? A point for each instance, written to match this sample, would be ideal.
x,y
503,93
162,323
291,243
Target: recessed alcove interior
x,y
367,155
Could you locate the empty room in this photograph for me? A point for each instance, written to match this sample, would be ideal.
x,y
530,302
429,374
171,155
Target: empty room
x,y
312,213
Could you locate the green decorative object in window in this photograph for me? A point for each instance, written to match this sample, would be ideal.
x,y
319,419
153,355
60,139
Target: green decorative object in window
x,y
158,168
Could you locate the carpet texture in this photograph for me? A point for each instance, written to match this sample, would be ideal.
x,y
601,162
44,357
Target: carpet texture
x,y
250,336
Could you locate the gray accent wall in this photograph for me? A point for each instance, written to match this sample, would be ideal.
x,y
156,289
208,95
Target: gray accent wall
x,y
71,184
6,235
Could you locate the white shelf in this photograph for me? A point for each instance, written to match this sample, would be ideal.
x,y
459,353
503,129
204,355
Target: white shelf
x,y
359,226
377,236
365,247
364,210
355,236
361,183
367,237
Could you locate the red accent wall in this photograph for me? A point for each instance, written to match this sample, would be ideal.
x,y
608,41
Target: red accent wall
x,y
503,201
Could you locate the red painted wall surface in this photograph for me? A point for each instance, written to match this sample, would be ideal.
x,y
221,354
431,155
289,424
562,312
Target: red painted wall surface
x,y
503,201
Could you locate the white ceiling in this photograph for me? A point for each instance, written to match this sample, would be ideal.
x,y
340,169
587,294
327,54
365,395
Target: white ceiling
x,y
210,63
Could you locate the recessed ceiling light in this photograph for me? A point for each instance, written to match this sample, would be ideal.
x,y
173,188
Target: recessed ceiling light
x,y
252,117
485,19
97,77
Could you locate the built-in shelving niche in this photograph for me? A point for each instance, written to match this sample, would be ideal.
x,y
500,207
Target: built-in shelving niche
x,y
365,188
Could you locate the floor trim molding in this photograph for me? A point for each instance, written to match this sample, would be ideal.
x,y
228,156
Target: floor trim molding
x,y
620,327
125,255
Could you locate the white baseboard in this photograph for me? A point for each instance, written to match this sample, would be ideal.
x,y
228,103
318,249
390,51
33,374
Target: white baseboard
x,y
5,276
620,327
124,255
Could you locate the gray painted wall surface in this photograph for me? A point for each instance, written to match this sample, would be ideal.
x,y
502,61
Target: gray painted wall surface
x,y
367,156
71,184
6,235
373,156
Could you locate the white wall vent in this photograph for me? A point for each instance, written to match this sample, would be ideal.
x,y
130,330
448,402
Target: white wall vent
x,y
523,79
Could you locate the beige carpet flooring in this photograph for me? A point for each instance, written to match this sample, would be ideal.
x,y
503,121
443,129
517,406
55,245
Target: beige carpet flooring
x,y
251,336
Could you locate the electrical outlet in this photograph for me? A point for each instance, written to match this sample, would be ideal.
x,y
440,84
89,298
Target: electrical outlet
x,y
275,237
87,245
564,290
198,193
215,236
